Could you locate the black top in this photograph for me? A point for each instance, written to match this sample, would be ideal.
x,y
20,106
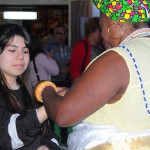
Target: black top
x,y
27,126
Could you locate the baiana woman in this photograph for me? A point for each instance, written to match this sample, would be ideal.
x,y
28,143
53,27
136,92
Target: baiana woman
x,y
110,103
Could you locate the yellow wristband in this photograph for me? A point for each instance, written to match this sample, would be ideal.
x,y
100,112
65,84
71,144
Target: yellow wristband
x,y
39,89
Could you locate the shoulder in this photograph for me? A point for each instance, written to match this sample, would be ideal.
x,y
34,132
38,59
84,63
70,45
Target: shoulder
x,y
79,44
41,57
110,60
112,67
109,56
53,44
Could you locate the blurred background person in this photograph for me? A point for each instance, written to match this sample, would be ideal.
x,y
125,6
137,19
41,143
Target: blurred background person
x,y
87,49
41,67
60,51
48,38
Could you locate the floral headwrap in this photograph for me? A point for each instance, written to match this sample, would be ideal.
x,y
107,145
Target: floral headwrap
x,y
125,10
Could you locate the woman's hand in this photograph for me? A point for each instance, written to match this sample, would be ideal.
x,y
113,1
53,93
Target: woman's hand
x,y
43,147
62,90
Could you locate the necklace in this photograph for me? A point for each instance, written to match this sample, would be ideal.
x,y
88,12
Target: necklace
x,y
137,34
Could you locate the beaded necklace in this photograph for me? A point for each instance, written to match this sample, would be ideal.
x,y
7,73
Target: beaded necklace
x,y
137,34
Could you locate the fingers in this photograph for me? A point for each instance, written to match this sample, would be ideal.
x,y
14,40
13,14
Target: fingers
x,y
43,148
62,91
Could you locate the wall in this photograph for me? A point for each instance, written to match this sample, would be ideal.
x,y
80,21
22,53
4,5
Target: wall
x,y
92,11
34,2
80,11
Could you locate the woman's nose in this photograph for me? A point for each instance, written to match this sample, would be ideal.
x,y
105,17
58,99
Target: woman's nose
x,y
20,55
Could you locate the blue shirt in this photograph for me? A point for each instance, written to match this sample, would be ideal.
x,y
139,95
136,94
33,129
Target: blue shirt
x,y
61,54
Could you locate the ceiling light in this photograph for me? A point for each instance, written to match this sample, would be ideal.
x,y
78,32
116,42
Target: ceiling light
x,y
20,15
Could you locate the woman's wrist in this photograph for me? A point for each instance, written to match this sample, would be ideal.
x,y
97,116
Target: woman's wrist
x,y
39,89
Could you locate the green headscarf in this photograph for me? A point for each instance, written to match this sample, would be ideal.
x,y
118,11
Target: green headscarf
x,y
125,10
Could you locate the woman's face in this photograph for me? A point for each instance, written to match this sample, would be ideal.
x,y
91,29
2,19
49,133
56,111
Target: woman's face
x,y
104,25
15,58
96,35
112,31
60,35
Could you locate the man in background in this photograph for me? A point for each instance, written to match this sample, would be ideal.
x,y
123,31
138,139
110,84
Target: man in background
x,y
60,51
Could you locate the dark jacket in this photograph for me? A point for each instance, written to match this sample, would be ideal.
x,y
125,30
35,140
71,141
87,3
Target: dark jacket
x,y
25,126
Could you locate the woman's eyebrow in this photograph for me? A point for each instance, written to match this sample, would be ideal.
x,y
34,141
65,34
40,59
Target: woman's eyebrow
x,y
11,45
15,46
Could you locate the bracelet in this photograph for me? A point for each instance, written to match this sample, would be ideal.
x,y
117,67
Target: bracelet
x,y
39,89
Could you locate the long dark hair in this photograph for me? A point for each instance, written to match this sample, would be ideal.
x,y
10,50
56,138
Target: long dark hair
x,y
7,33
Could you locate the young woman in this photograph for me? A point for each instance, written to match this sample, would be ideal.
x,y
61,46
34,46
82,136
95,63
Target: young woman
x,y
22,124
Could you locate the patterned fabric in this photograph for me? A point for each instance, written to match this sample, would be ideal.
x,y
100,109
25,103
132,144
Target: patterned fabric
x,y
125,10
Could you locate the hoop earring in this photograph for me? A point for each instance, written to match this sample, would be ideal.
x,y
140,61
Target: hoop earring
x,y
122,28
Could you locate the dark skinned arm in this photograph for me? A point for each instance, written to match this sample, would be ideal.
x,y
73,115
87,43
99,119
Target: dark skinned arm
x,y
103,82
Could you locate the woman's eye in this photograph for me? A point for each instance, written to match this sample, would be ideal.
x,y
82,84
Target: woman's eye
x,y
26,51
12,50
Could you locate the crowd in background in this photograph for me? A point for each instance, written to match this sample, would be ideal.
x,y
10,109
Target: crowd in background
x,y
54,60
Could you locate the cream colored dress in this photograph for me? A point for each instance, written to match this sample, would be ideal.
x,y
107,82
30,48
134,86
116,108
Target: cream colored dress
x,y
124,125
